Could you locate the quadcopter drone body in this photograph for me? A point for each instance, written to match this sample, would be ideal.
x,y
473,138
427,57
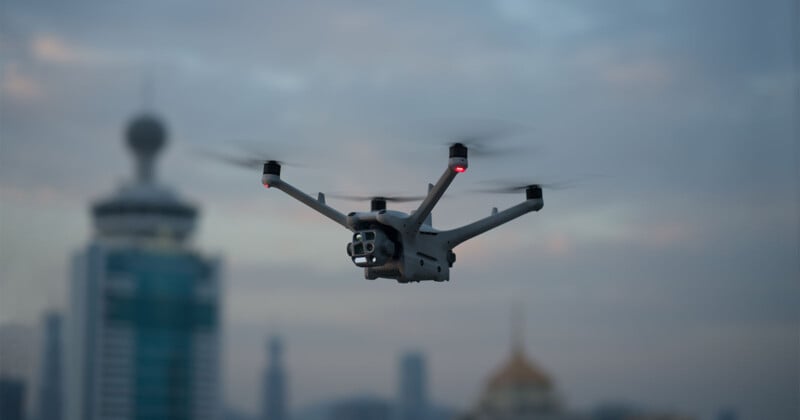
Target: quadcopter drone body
x,y
405,247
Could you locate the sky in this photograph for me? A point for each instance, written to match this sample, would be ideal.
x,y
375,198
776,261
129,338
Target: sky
x,y
666,277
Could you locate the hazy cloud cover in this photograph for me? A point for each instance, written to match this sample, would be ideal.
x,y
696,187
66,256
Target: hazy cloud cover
x,y
667,277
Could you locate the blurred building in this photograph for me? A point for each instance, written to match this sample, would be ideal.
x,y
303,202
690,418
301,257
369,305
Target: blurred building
x,y
412,399
727,414
362,408
621,411
614,411
18,350
275,388
144,327
12,398
50,396
519,389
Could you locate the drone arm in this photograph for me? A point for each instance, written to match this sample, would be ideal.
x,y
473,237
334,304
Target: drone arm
x,y
457,236
316,204
434,194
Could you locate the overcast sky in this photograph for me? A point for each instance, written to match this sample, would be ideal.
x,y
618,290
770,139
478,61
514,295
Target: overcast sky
x,y
668,277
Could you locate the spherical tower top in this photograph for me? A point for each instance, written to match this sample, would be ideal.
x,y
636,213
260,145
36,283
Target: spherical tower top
x,y
146,135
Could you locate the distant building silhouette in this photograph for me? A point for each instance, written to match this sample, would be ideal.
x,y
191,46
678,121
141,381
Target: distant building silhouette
x,y
362,408
18,350
519,389
412,399
275,386
144,330
50,397
727,414
614,411
12,398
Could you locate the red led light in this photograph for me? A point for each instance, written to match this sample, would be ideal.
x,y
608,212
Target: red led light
x,y
460,169
266,185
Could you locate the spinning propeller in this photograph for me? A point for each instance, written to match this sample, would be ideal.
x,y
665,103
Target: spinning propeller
x,y
378,202
511,188
532,190
481,136
249,158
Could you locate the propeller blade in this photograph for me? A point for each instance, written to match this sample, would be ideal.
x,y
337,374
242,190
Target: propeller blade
x,y
248,162
241,162
252,149
395,198
482,136
512,187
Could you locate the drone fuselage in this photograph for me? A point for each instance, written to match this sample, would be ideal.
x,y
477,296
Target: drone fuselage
x,y
405,247
385,249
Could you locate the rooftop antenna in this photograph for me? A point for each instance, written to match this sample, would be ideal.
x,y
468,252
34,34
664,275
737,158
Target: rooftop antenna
x,y
147,91
517,328
146,134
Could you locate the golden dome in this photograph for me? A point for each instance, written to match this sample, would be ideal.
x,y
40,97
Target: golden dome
x,y
518,372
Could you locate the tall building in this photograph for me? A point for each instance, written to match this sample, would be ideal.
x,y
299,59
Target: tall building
x,y
50,397
12,398
18,347
144,326
412,401
275,387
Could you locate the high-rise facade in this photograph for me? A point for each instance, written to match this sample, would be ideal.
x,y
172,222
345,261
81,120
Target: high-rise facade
x,y
275,387
50,401
12,398
412,401
144,325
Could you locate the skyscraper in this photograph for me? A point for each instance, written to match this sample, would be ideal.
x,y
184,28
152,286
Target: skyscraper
x,y
50,398
18,344
144,323
12,398
413,391
275,389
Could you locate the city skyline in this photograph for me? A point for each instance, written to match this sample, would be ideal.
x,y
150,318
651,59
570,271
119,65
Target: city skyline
x,y
665,280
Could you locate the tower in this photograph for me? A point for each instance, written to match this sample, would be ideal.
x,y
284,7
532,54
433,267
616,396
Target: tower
x,y
275,389
413,389
17,347
50,398
12,398
144,329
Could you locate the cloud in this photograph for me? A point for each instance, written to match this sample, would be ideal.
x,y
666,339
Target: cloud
x,y
50,48
18,85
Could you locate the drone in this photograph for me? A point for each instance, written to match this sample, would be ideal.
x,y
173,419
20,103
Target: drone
x,y
406,247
